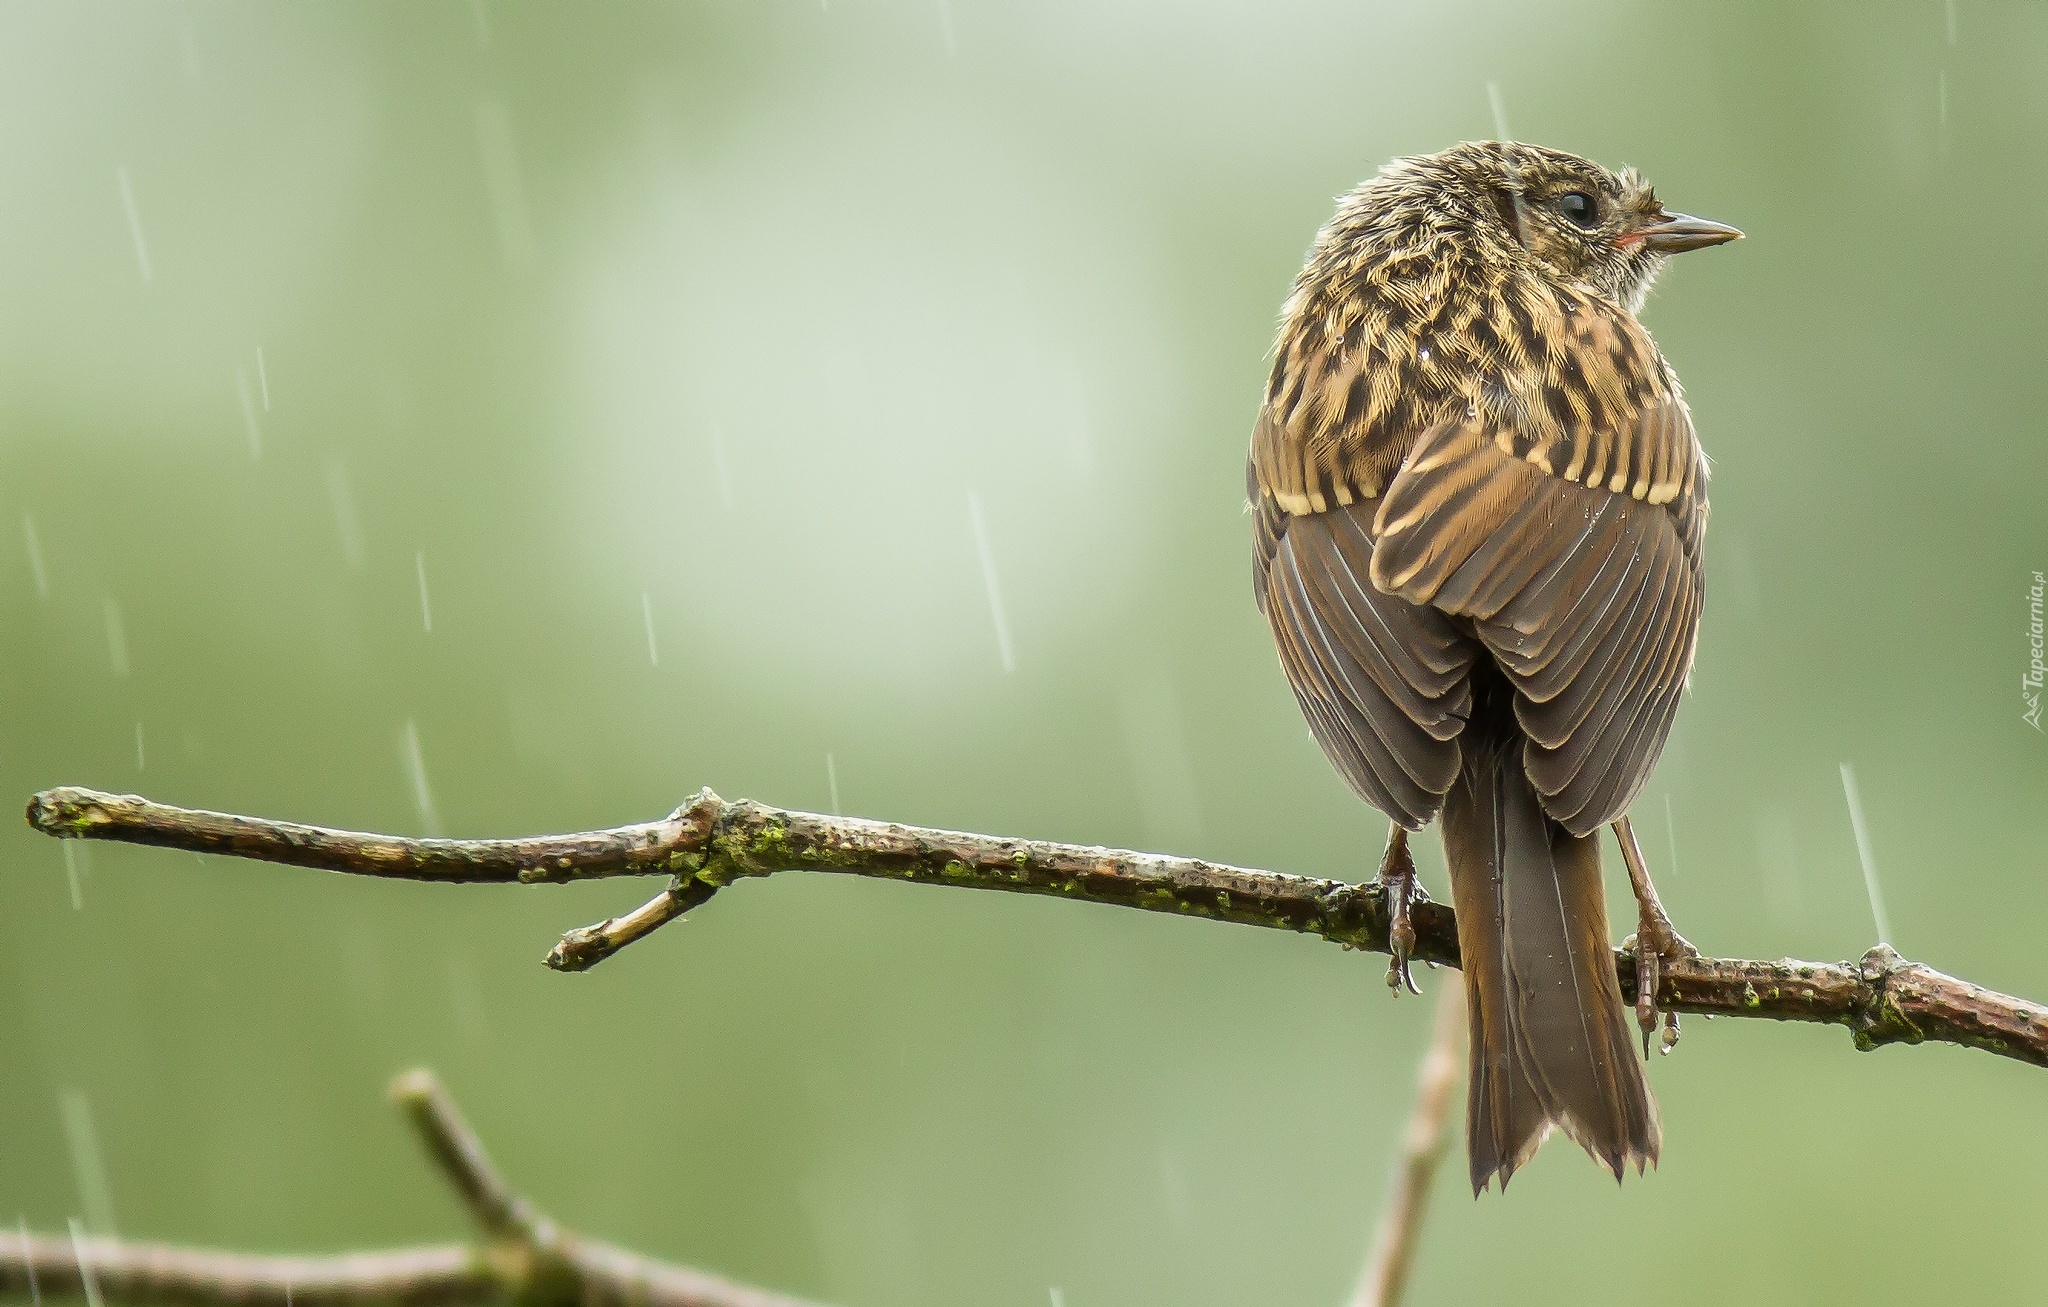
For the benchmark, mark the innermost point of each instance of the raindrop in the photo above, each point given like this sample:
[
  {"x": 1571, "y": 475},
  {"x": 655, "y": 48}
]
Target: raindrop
[
  {"x": 503, "y": 183},
  {"x": 35, "y": 1292},
  {"x": 946, "y": 25},
  {"x": 249, "y": 413},
  {"x": 832, "y": 784},
  {"x": 117, "y": 637},
  {"x": 1053, "y": 1292},
  {"x": 138, "y": 746},
  {"x": 87, "y": 1164},
  {"x": 1877, "y": 912},
  {"x": 419, "y": 567},
  {"x": 416, "y": 769},
  {"x": 71, "y": 875},
  {"x": 35, "y": 557},
  {"x": 1950, "y": 14},
  {"x": 344, "y": 501},
  {"x": 647, "y": 620},
  {"x": 134, "y": 220},
  {"x": 263, "y": 378},
  {"x": 483, "y": 22},
  {"x": 85, "y": 1275},
  {"x": 1500, "y": 112},
  {"x": 1941, "y": 95},
  {"x": 988, "y": 577}
]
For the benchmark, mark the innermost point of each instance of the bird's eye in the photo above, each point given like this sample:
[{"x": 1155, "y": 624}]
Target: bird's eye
[{"x": 1579, "y": 208}]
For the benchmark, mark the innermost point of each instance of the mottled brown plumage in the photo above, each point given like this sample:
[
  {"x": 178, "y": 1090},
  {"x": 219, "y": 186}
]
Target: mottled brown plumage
[{"x": 1480, "y": 509}]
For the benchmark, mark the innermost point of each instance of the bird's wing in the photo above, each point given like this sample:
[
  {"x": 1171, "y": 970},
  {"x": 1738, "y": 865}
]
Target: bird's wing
[
  {"x": 1381, "y": 681},
  {"x": 1564, "y": 518}
]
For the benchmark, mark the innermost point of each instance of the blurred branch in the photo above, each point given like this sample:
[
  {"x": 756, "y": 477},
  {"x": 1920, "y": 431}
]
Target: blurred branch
[
  {"x": 455, "y": 1149},
  {"x": 33, "y": 1265},
  {"x": 525, "y": 1258},
  {"x": 1422, "y": 1151},
  {"x": 710, "y": 842}
]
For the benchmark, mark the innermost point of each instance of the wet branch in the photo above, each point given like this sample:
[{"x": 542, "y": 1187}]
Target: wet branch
[
  {"x": 709, "y": 843},
  {"x": 523, "y": 1257}
]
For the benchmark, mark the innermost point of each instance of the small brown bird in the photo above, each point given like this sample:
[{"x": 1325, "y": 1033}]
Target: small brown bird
[{"x": 1480, "y": 509}]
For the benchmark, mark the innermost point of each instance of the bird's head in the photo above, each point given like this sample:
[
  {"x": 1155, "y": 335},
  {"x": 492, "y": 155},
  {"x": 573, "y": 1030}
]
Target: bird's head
[{"x": 1577, "y": 221}]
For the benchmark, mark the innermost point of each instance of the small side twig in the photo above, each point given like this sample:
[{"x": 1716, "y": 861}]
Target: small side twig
[
  {"x": 1423, "y": 1145},
  {"x": 1881, "y": 998},
  {"x": 525, "y": 1258},
  {"x": 586, "y": 946}
]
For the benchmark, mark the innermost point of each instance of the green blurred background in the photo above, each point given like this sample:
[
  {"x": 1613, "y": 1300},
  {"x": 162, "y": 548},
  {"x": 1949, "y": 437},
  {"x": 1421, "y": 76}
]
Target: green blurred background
[{"x": 676, "y": 353}]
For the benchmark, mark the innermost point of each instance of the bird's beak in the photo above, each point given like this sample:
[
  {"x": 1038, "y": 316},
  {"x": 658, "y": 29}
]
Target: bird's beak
[{"x": 1675, "y": 233}]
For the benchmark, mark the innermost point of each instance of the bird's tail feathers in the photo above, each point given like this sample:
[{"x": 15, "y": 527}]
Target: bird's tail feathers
[{"x": 1550, "y": 1034}]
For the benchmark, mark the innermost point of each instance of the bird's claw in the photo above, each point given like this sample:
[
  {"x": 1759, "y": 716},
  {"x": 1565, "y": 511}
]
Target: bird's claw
[
  {"x": 1403, "y": 891},
  {"x": 1663, "y": 945},
  {"x": 1653, "y": 944}
]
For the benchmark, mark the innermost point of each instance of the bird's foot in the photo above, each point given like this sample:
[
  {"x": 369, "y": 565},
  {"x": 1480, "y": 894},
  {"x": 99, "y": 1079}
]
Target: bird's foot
[
  {"x": 1654, "y": 944},
  {"x": 1403, "y": 891}
]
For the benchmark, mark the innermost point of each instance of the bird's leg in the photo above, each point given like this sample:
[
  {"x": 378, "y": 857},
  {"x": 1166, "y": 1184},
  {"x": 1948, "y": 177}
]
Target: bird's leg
[
  {"x": 1655, "y": 941},
  {"x": 1397, "y": 879}
]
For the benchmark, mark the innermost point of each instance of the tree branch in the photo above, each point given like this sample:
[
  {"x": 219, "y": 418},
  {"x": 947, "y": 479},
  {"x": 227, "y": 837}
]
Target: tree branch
[
  {"x": 525, "y": 1259},
  {"x": 710, "y": 843},
  {"x": 1422, "y": 1151}
]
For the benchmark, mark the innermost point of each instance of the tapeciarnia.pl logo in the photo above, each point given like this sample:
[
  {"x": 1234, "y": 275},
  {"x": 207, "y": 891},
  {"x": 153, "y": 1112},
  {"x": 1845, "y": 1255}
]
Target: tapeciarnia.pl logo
[{"x": 2030, "y": 684}]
